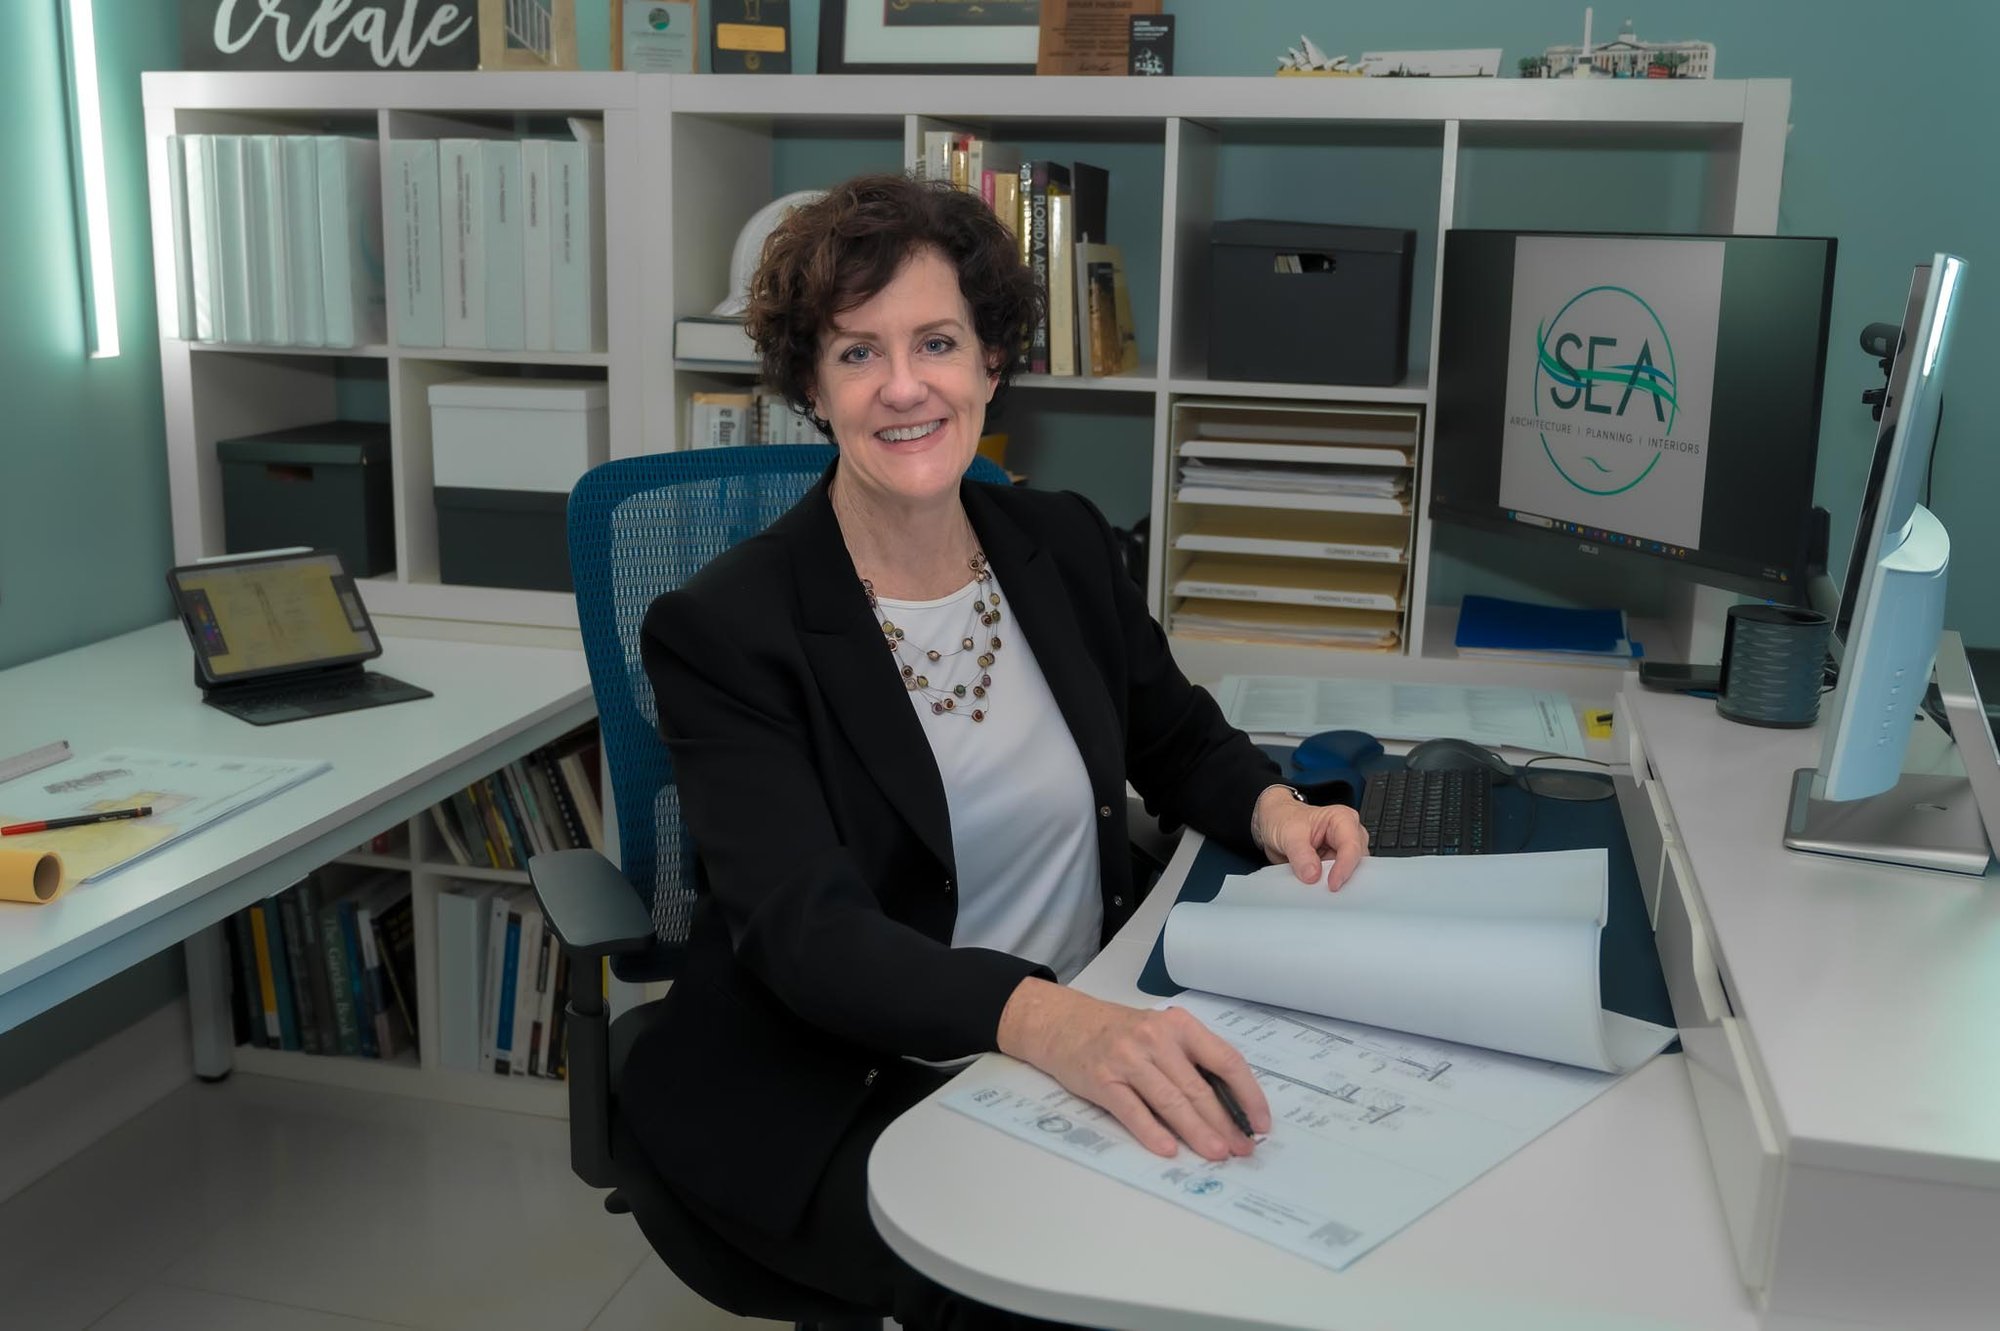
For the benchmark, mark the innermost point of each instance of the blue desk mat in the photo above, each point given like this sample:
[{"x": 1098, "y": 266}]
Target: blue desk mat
[{"x": 1629, "y": 977}]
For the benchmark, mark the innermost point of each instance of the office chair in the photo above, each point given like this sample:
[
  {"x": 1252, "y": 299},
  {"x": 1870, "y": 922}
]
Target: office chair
[{"x": 639, "y": 527}]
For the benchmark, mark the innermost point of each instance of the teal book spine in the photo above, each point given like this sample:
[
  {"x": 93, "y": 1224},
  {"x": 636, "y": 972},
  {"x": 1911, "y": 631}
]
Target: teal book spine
[
  {"x": 364, "y": 1017},
  {"x": 304, "y": 1011},
  {"x": 333, "y": 951}
]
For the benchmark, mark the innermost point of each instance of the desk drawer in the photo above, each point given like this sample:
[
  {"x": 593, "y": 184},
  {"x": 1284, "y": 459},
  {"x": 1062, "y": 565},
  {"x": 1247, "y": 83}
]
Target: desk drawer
[
  {"x": 1742, "y": 1148},
  {"x": 1642, "y": 829}
]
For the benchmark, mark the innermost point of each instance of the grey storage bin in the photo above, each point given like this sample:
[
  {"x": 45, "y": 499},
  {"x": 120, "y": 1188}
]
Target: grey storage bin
[
  {"x": 326, "y": 486},
  {"x": 1343, "y": 317},
  {"x": 503, "y": 538}
]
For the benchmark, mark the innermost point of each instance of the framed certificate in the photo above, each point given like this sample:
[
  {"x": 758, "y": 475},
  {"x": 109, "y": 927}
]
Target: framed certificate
[{"x": 928, "y": 36}]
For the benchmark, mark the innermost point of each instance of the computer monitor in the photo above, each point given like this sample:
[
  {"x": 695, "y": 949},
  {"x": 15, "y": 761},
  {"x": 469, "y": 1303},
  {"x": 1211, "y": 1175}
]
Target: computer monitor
[
  {"x": 1650, "y": 398},
  {"x": 1892, "y": 600},
  {"x": 1859, "y": 802}
]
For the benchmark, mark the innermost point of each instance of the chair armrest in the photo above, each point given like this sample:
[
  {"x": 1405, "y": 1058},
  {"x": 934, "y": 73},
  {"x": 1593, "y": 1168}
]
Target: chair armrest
[{"x": 593, "y": 910}]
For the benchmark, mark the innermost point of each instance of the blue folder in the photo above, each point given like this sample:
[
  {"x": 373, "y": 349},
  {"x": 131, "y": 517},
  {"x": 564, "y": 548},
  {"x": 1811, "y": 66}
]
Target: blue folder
[{"x": 1492, "y": 623}]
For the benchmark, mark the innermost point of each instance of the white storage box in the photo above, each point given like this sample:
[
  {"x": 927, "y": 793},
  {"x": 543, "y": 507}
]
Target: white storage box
[{"x": 517, "y": 434}]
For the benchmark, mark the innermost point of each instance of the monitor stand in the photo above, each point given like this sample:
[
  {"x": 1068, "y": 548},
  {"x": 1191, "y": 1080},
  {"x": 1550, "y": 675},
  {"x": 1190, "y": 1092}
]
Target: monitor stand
[{"x": 1924, "y": 821}]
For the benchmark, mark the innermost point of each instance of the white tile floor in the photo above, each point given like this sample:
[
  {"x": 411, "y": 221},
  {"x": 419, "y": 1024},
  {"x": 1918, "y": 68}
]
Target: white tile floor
[{"x": 262, "y": 1205}]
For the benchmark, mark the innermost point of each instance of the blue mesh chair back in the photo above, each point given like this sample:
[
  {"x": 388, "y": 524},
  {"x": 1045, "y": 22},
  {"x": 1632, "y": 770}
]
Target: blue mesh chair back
[{"x": 639, "y": 527}]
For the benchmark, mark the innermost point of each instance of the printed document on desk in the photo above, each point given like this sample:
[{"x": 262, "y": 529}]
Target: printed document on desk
[
  {"x": 1436, "y": 966},
  {"x": 1540, "y": 720},
  {"x": 1369, "y": 1129},
  {"x": 186, "y": 791}
]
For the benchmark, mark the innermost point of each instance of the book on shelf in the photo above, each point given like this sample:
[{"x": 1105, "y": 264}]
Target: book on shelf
[
  {"x": 281, "y": 975},
  {"x": 1292, "y": 582},
  {"x": 354, "y": 970},
  {"x": 448, "y": 834},
  {"x": 1090, "y": 191},
  {"x": 1062, "y": 308},
  {"x": 177, "y": 207},
  {"x": 394, "y": 917},
  {"x": 304, "y": 292},
  {"x": 719, "y": 420},
  {"x": 714, "y": 337},
  {"x": 414, "y": 243},
  {"x": 502, "y": 982},
  {"x": 304, "y": 996},
  {"x": 1358, "y": 537},
  {"x": 203, "y": 222},
  {"x": 1035, "y": 178},
  {"x": 576, "y": 245},
  {"x": 464, "y": 918},
  {"x": 267, "y": 987},
  {"x": 1107, "y": 336},
  {"x": 462, "y": 240},
  {"x": 340, "y": 989},
  {"x": 505, "y": 269},
  {"x": 537, "y": 309},
  {"x": 519, "y": 1051},
  {"x": 264, "y": 230},
  {"x": 1306, "y": 626},
  {"x": 246, "y": 1005},
  {"x": 231, "y": 244},
  {"x": 352, "y": 271}
]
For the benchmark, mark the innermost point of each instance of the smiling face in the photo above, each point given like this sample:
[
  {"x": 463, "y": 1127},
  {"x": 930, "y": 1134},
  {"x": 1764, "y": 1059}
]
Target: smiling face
[{"x": 904, "y": 382}]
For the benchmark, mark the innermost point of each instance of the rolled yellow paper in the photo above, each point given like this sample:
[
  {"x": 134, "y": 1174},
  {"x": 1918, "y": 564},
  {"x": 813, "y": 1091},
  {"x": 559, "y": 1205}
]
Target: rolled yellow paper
[{"x": 33, "y": 876}]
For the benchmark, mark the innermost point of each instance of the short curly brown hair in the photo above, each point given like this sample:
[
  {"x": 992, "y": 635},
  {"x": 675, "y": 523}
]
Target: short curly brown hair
[{"x": 833, "y": 254}]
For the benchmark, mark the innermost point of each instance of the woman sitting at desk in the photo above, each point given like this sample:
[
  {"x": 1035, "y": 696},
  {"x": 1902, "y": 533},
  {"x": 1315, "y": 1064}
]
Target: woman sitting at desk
[{"x": 902, "y": 719}]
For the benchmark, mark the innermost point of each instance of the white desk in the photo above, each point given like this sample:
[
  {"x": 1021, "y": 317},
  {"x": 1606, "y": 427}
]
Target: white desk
[
  {"x": 1609, "y": 1221},
  {"x": 493, "y": 704}
]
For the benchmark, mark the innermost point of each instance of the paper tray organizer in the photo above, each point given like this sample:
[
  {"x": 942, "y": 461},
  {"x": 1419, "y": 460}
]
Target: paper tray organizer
[{"x": 1291, "y": 522}]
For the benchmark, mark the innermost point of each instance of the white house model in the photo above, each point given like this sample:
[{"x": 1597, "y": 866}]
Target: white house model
[{"x": 1629, "y": 57}]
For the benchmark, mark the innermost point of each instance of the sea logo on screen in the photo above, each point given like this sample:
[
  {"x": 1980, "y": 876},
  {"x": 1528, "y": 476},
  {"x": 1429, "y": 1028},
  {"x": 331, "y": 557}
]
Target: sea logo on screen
[{"x": 1604, "y": 370}]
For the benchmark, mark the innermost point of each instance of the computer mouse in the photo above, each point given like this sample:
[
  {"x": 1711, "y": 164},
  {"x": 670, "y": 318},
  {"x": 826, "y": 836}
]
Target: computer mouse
[
  {"x": 1446, "y": 755},
  {"x": 1336, "y": 748}
]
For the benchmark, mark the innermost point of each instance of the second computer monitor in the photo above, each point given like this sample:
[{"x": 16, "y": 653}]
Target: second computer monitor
[{"x": 1636, "y": 396}]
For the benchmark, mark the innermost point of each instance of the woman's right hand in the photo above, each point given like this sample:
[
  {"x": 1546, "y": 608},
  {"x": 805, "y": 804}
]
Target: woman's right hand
[{"x": 1141, "y": 1064}]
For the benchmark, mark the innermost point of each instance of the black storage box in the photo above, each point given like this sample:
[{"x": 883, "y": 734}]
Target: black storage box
[
  {"x": 1309, "y": 303},
  {"x": 503, "y": 538},
  {"x": 326, "y": 486}
]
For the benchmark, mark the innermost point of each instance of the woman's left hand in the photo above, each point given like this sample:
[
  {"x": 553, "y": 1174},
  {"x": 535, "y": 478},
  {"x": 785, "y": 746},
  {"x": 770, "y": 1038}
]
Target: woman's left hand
[{"x": 1305, "y": 834}]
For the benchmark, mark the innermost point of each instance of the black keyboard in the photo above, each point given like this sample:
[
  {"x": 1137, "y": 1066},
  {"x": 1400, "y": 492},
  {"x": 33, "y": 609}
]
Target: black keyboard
[
  {"x": 318, "y": 697},
  {"x": 1428, "y": 813}
]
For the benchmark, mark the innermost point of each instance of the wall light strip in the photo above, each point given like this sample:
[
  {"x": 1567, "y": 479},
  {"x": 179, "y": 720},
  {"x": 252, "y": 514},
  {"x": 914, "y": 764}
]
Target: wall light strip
[{"x": 87, "y": 156}]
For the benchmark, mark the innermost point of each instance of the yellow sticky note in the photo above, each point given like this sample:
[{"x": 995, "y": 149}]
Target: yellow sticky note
[{"x": 1597, "y": 725}]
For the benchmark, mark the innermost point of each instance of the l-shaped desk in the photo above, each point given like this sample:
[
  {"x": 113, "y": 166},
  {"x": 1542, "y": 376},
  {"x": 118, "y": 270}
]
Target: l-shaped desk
[
  {"x": 1825, "y": 1155},
  {"x": 493, "y": 704}
]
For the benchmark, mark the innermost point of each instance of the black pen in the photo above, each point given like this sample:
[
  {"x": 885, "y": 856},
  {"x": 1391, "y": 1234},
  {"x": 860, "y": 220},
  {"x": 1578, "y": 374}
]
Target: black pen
[{"x": 1229, "y": 1105}]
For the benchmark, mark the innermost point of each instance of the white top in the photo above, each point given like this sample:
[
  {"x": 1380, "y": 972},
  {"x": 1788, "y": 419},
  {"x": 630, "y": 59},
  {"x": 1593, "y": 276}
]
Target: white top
[{"x": 1022, "y": 824}]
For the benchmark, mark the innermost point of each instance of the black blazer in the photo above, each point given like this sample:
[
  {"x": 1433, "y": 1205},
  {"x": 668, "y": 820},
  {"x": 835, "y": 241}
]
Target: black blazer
[{"x": 821, "y": 946}]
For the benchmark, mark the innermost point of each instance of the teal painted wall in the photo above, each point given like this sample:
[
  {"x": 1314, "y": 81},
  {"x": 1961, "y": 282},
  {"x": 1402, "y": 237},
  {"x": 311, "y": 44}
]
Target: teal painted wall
[{"x": 84, "y": 534}]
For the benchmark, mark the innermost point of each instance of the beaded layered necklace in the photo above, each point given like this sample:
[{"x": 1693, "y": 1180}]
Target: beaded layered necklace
[{"x": 931, "y": 677}]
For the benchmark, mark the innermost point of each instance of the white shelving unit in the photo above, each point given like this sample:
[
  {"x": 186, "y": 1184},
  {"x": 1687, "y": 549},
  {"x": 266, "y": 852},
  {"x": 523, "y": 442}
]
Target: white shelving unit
[
  {"x": 422, "y": 855},
  {"x": 688, "y": 159}
]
